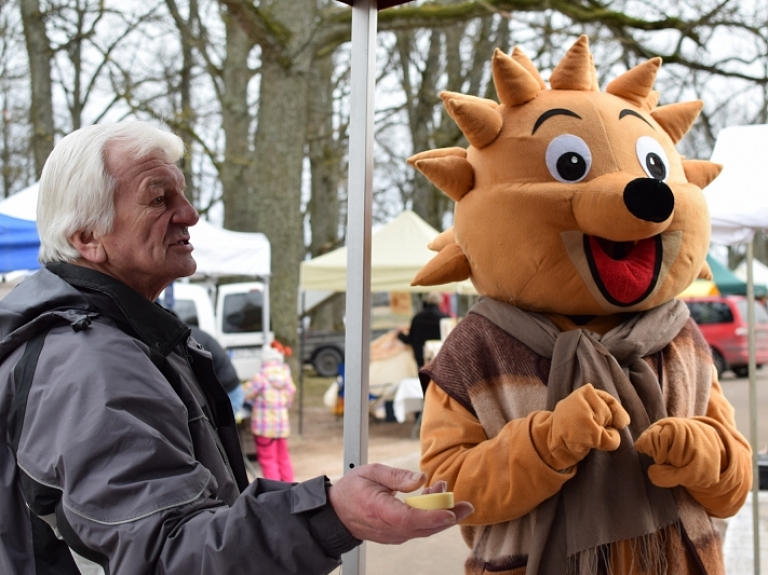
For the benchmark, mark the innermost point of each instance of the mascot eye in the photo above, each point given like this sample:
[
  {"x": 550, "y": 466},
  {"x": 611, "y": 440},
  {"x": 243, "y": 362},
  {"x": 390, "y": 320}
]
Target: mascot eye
[
  {"x": 652, "y": 158},
  {"x": 568, "y": 159}
]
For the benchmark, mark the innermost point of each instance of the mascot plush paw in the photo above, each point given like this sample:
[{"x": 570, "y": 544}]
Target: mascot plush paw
[
  {"x": 576, "y": 405},
  {"x": 586, "y": 419},
  {"x": 685, "y": 452}
]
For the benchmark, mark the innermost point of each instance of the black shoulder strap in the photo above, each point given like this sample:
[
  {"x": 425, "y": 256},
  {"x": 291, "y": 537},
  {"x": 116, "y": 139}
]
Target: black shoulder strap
[
  {"x": 52, "y": 556},
  {"x": 23, "y": 374}
]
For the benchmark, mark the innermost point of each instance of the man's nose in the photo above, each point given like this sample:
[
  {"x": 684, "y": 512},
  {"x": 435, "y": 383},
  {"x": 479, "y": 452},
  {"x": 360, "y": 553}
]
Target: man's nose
[{"x": 186, "y": 214}]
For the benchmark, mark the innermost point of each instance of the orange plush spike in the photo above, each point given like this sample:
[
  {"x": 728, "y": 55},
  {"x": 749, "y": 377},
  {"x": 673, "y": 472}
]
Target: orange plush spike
[
  {"x": 450, "y": 265},
  {"x": 514, "y": 84},
  {"x": 652, "y": 100},
  {"x": 677, "y": 119},
  {"x": 576, "y": 70},
  {"x": 635, "y": 84},
  {"x": 706, "y": 272},
  {"x": 701, "y": 172},
  {"x": 479, "y": 123},
  {"x": 442, "y": 240},
  {"x": 453, "y": 175},
  {"x": 595, "y": 87},
  {"x": 437, "y": 153},
  {"x": 521, "y": 58},
  {"x": 448, "y": 95}
]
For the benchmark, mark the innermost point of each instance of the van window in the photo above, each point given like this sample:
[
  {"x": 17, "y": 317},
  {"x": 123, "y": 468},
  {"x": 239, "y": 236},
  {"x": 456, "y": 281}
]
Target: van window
[
  {"x": 761, "y": 315},
  {"x": 187, "y": 311},
  {"x": 242, "y": 312},
  {"x": 707, "y": 312}
]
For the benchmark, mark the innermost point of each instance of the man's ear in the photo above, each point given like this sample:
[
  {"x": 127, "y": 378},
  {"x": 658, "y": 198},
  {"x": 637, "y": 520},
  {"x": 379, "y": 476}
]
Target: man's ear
[{"x": 89, "y": 246}]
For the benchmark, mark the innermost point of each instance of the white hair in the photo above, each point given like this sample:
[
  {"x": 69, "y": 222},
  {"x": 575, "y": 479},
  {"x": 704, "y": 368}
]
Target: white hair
[
  {"x": 433, "y": 298},
  {"x": 76, "y": 190}
]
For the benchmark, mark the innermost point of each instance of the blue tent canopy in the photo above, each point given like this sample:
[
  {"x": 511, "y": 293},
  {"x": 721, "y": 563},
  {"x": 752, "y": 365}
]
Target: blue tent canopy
[{"x": 19, "y": 244}]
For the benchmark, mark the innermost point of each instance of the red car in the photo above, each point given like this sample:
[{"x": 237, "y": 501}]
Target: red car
[{"x": 723, "y": 321}]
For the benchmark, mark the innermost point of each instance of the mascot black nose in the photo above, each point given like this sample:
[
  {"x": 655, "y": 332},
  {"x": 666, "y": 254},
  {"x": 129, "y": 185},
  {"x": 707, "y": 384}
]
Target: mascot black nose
[{"x": 648, "y": 199}]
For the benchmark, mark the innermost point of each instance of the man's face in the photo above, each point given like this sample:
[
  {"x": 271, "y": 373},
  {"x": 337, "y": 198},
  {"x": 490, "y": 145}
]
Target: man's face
[{"x": 148, "y": 246}]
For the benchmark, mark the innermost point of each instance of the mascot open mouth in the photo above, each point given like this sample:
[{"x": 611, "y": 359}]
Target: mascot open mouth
[
  {"x": 622, "y": 276},
  {"x": 624, "y": 272}
]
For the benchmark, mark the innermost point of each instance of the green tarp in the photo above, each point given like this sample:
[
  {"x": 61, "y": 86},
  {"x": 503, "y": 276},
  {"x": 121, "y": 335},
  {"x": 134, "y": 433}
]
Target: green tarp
[{"x": 728, "y": 284}]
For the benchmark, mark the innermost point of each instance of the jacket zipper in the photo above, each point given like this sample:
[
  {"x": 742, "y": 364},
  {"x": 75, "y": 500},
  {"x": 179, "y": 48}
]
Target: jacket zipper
[{"x": 211, "y": 428}]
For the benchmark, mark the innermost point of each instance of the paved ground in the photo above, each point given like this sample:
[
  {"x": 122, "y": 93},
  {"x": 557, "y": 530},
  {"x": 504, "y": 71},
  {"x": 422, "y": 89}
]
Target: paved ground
[{"x": 319, "y": 450}]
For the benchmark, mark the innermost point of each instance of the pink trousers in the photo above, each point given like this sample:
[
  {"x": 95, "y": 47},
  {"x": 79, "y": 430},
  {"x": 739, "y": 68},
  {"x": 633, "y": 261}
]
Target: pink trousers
[{"x": 274, "y": 459}]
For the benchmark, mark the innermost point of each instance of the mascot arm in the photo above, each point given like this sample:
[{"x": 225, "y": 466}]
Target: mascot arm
[
  {"x": 706, "y": 455},
  {"x": 503, "y": 477}
]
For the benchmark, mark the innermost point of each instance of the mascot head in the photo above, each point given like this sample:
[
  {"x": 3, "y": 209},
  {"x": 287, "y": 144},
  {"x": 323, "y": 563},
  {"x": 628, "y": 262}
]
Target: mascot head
[{"x": 570, "y": 200}]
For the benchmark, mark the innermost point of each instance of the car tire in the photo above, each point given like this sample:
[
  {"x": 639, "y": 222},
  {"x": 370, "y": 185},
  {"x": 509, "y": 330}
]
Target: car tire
[
  {"x": 719, "y": 362},
  {"x": 741, "y": 370},
  {"x": 326, "y": 362}
]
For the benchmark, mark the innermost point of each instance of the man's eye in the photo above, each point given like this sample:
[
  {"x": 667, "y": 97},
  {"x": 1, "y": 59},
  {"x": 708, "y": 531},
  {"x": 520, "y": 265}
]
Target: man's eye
[{"x": 158, "y": 200}]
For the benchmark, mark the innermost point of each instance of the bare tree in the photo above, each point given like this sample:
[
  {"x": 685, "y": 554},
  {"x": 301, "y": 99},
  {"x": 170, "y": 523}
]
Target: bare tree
[
  {"x": 40, "y": 54},
  {"x": 251, "y": 87},
  {"x": 327, "y": 147},
  {"x": 293, "y": 33},
  {"x": 16, "y": 168}
]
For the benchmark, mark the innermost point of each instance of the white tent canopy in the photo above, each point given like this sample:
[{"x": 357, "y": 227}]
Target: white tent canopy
[
  {"x": 218, "y": 252},
  {"x": 738, "y": 198},
  {"x": 398, "y": 251},
  {"x": 759, "y": 272}
]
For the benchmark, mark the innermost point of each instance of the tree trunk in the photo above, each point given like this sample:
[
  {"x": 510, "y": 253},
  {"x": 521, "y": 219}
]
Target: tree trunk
[
  {"x": 326, "y": 159},
  {"x": 41, "y": 109},
  {"x": 236, "y": 122},
  {"x": 187, "y": 119},
  {"x": 427, "y": 199},
  {"x": 274, "y": 204}
]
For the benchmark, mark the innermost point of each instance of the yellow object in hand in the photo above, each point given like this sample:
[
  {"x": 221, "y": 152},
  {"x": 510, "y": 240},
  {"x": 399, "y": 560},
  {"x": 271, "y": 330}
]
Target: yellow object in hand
[{"x": 431, "y": 501}]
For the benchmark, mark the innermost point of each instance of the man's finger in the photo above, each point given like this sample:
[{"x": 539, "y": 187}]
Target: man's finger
[
  {"x": 438, "y": 487},
  {"x": 394, "y": 478}
]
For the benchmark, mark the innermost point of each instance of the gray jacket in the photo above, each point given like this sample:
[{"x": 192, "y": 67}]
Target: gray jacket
[{"x": 124, "y": 444}]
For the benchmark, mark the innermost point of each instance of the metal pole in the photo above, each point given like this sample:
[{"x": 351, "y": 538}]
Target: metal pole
[
  {"x": 753, "y": 406},
  {"x": 302, "y": 344},
  {"x": 359, "y": 206},
  {"x": 266, "y": 314}
]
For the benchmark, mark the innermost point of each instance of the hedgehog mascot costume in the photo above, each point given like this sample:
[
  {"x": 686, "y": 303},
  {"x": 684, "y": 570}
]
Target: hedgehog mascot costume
[{"x": 577, "y": 406}]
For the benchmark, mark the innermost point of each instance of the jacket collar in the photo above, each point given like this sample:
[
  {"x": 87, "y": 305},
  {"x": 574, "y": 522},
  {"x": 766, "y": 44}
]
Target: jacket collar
[{"x": 150, "y": 322}]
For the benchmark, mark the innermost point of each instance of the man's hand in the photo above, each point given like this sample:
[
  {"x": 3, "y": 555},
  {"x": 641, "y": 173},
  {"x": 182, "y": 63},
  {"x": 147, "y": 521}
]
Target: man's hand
[
  {"x": 364, "y": 499},
  {"x": 586, "y": 419},
  {"x": 685, "y": 452}
]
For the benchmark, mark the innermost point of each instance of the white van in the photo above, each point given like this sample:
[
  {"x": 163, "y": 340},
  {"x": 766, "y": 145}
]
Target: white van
[
  {"x": 193, "y": 304},
  {"x": 242, "y": 313},
  {"x": 237, "y": 322}
]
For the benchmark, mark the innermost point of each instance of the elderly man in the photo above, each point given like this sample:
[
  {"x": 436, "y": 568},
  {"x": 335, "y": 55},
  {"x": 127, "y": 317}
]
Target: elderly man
[{"x": 120, "y": 452}]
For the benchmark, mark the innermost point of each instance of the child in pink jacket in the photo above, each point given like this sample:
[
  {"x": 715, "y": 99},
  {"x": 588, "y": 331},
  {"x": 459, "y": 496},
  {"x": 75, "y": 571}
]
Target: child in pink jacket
[{"x": 271, "y": 391}]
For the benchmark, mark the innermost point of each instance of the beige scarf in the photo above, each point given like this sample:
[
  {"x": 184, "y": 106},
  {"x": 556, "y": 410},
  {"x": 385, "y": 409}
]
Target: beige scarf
[{"x": 610, "y": 498}]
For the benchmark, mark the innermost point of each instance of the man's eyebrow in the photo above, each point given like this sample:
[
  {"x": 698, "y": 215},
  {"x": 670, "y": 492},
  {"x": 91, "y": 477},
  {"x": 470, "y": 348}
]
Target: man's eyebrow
[
  {"x": 633, "y": 113},
  {"x": 553, "y": 112},
  {"x": 158, "y": 181}
]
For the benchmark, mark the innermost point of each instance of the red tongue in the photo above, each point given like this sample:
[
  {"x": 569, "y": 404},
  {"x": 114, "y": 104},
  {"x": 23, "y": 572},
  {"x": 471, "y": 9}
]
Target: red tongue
[{"x": 629, "y": 279}]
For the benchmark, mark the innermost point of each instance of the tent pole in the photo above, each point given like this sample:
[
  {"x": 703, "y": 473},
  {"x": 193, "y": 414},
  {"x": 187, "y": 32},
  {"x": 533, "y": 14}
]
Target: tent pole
[
  {"x": 359, "y": 210},
  {"x": 753, "y": 405}
]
